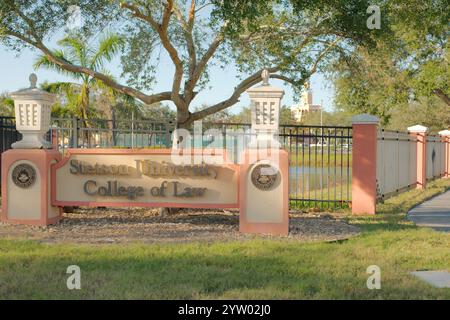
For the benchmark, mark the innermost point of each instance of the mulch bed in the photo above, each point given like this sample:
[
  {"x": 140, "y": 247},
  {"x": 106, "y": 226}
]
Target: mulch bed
[{"x": 88, "y": 225}]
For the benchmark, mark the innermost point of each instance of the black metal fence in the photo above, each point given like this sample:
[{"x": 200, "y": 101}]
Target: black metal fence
[
  {"x": 99, "y": 133},
  {"x": 320, "y": 156},
  {"x": 320, "y": 165},
  {"x": 8, "y": 133}
]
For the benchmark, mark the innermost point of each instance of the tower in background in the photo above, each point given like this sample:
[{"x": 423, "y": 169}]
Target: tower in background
[{"x": 306, "y": 104}]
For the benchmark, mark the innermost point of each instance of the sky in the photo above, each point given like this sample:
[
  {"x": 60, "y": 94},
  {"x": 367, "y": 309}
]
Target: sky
[{"x": 16, "y": 68}]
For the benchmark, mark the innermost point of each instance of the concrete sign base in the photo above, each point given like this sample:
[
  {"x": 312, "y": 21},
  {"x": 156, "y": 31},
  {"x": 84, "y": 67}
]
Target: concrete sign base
[{"x": 37, "y": 183}]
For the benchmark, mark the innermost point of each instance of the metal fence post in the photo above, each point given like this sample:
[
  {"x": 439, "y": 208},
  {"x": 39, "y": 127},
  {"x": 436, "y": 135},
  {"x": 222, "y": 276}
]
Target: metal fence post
[
  {"x": 167, "y": 129},
  {"x": 114, "y": 126},
  {"x": 132, "y": 129},
  {"x": 2, "y": 140},
  {"x": 74, "y": 132}
]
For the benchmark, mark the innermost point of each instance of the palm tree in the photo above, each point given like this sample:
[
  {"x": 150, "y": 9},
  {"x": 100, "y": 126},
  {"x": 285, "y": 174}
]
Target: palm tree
[{"x": 76, "y": 51}]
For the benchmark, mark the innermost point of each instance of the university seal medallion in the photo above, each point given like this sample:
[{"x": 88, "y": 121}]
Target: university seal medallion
[{"x": 24, "y": 175}]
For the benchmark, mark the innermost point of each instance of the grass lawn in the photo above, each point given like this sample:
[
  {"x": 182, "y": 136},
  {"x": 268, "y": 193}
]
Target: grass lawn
[
  {"x": 254, "y": 269},
  {"x": 315, "y": 158}
]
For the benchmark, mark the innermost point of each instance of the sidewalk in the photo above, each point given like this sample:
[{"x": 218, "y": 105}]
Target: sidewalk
[{"x": 434, "y": 213}]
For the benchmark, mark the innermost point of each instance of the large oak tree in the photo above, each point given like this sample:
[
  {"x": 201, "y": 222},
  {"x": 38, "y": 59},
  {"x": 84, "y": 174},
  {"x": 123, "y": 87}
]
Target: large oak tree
[{"x": 292, "y": 39}]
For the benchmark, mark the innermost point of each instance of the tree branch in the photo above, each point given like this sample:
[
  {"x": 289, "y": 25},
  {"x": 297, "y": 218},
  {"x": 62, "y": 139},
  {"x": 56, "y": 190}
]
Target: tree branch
[
  {"x": 441, "y": 94},
  {"x": 168, "y": 6},
  {"x": 135, "y": 11},
  {"x": 234, "y": 98},
  {"x": 200, "y": 68},
  {"x": 293, "y": 82},
  {"x": 254, "y": 79},
  {"x": 191, "y": 15},
  {"x": 21, "y": 37},
  {"x": 148, "y": 99},
  {"x": 187, "y": 32},
  {"x": 161, "y": 29},
  {"x": 203, "y": 6}
]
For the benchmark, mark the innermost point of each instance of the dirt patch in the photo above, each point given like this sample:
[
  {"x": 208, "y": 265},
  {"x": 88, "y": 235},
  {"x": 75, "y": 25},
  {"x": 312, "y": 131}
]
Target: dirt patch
[{"x": 146, "y": 225}]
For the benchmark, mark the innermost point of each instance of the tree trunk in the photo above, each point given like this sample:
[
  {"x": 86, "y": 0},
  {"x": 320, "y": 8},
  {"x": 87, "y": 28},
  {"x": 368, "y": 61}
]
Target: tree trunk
[
  {"x": 183, "y": 122},
  {"x": 183, "y": 119},
  {"x": 441, "y": 94}
]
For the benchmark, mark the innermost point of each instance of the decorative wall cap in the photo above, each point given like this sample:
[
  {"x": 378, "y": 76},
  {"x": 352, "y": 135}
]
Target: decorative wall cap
[
  {"x": 265, "y": 90},
  {"x": 418, "y": 129},
  {"x": 445, "y": 133},
  {"x": 364, "y": 118},
  {"x": 33, "y": 93},
  {"x": 256, "y": 94}
]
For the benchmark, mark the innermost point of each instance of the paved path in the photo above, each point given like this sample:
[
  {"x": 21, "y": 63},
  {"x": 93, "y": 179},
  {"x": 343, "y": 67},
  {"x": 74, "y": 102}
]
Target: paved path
[{"x": 434, "y": 213}]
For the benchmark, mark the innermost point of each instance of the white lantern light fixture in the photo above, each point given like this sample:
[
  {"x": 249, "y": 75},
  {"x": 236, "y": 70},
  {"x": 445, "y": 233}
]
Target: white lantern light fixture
[{"x": 33, "y": 111}]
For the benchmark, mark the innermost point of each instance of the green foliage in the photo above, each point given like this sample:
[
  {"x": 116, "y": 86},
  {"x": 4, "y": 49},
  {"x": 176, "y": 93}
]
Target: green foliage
[
  {"x": 347, "y": 18},
  {"x": 243, "y": 116},
  {"x": 365, "y": 84},
  {"x": 6, "y": 105},
  {"x": 405, "y": 74},
  {"x": 49, "y": 17},
  {"x": 430, "y": 112},
  {"x": 286, "y": 116}
]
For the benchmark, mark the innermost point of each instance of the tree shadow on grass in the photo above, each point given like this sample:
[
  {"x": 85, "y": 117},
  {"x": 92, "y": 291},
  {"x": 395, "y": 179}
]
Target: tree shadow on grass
[{"x": 382, "y": 222}]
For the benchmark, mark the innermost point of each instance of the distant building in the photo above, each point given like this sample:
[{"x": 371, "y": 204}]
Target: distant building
[{"x": 306, "y": 105}]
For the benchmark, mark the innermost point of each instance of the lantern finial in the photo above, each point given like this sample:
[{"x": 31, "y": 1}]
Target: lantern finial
[
  {"x": 265, "y": 77},
  {"x": 33, "y": 80}
]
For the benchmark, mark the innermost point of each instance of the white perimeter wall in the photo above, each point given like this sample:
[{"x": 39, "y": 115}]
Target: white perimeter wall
[
  {"x": 396, "y": 162},
  {"x": 435, "y": 157}
]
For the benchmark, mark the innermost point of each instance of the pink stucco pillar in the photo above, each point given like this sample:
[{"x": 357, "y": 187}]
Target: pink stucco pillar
[
  {"x": 28, "y": 202},
  {"x": 446, "y": 135},
  {"x": 420, "y": 133},
  {"x": 364, "y": 164}
]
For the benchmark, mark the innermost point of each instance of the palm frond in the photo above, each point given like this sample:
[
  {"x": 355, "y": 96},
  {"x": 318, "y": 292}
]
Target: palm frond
[
  {"x": 60, "y": 87},
  {"x": 44, "y": 62},
  {"x": 108, "y": 47},
  {"x": 76, "y": 49}
]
